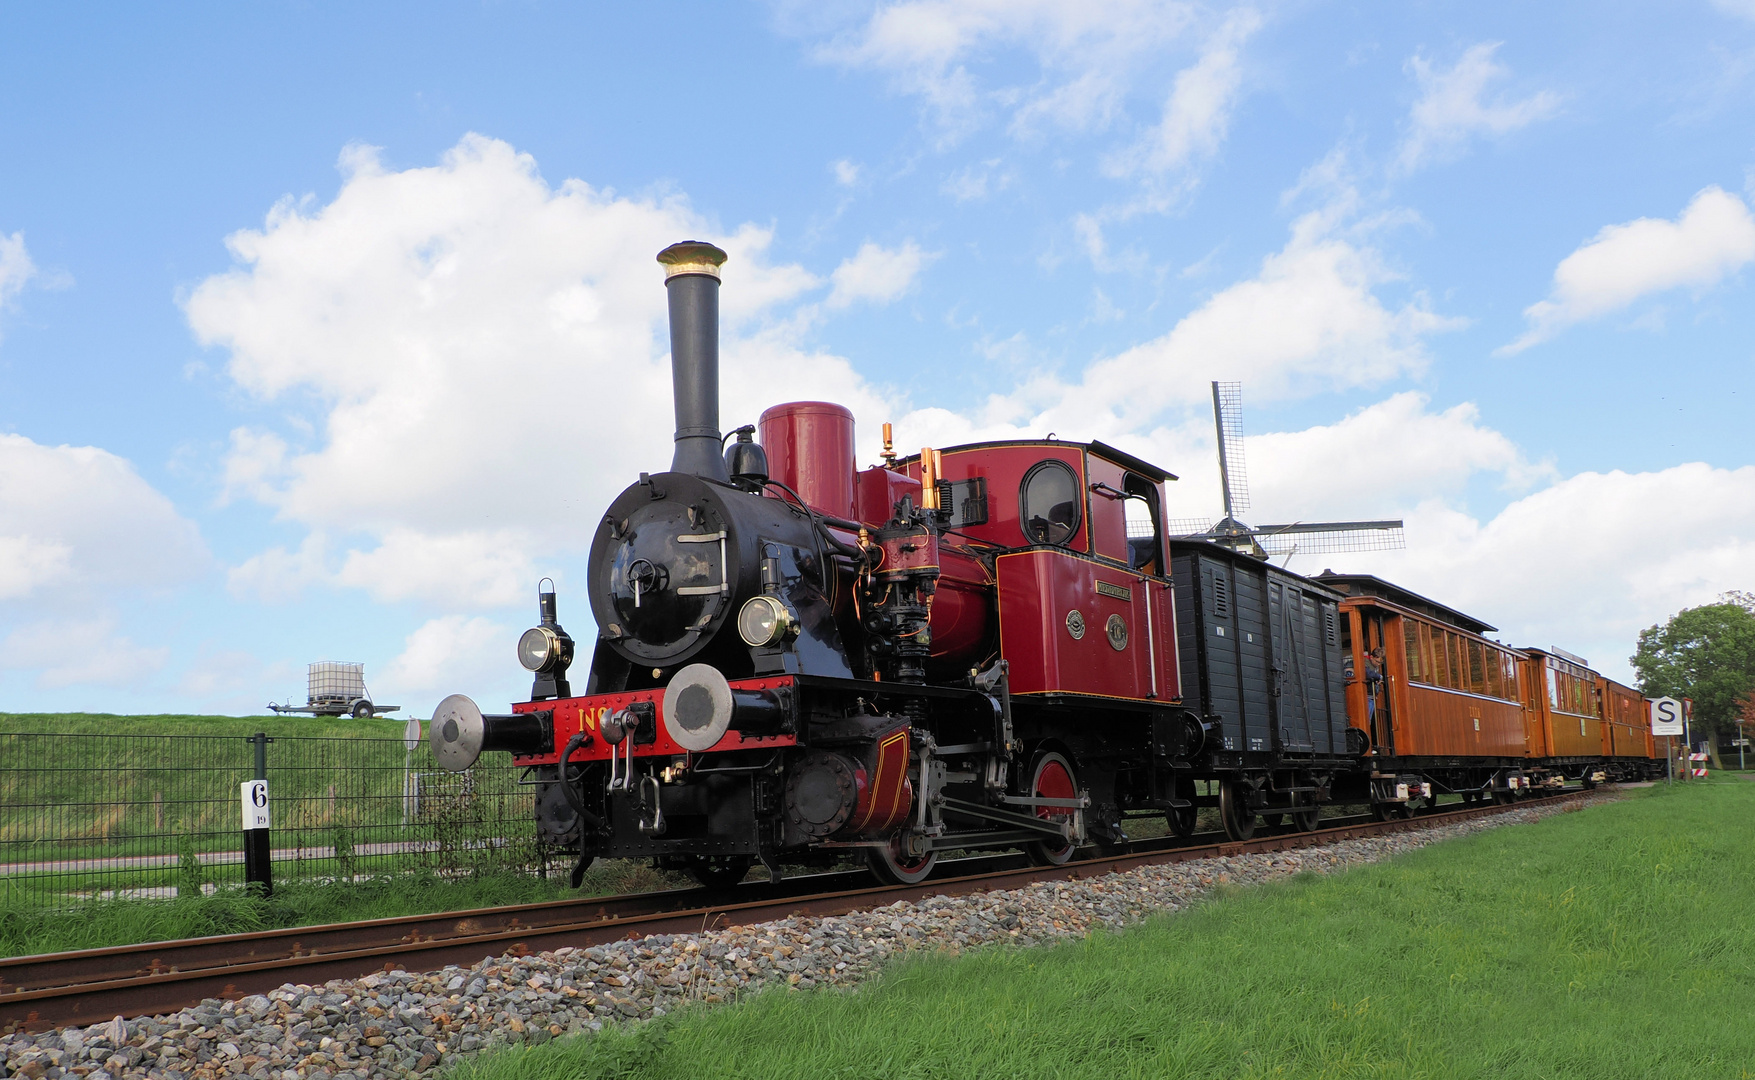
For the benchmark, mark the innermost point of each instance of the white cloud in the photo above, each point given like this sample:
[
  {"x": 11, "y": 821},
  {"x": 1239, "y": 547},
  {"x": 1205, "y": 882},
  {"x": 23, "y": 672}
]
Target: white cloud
[
  {"x": 877, "y": 274},
  {"x": 16, "y": 267},
  {"x": 79, "y": 652},
  {"x": 1713, "y": 237},
  {"x": 277, "y": 574},
  {"x": 1310, "y": 319},
  {"x": 444, "y": 653},
  {"x": 1742, "y": 8},
  {"x": 1585, "y": 563},
  {"x": 1198, "y": 110},
  {"x": 974, "y": 182},
  {"x": 1451, "y": 108},
  {"x": 846, "y": 172},
  {"x": 1381, "y": 458},
  {"x": 482, "y": 349},
  {"x": 475, "y": 569},
  {"x": 73, "y": 517},
  {"x": 1086, "y": 55}
]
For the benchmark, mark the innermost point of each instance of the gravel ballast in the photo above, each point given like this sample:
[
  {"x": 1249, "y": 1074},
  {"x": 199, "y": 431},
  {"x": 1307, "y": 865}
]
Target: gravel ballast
[{"x": 405, "y": 1024}]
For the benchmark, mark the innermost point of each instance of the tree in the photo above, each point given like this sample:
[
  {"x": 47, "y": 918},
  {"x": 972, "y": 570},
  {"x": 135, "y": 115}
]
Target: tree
[{"x": 1706, "y": 653}]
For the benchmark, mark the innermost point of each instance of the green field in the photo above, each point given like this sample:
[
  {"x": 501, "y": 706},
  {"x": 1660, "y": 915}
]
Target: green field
[
  {"x": 1618, "y": 941},
  {"x": 183, "y": 724},
  {"x": 95, "y": 806},
  {"x": 26, "y": 931},
  {"x": 121, "y": 818}
]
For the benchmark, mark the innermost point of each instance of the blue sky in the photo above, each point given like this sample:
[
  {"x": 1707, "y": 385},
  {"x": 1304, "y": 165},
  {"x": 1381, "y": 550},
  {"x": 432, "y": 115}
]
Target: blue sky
[{"x": 325, "y": 330}]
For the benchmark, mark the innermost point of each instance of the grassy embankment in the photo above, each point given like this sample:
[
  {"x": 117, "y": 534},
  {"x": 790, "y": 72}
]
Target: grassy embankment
[
  {"x": 1613, "y": 942},
  {"x": 100, "y": 789}
]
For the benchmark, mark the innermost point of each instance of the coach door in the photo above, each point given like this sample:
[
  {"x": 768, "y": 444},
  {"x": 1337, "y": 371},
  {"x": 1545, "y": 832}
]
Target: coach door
[
  {"x": 1294, "y": 683},
  {"x": 1377, "y": 695}
]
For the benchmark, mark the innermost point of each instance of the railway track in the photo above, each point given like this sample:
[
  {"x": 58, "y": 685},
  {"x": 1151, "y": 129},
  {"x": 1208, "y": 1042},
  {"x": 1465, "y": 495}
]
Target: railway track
[{"x": 85, "y": 987}]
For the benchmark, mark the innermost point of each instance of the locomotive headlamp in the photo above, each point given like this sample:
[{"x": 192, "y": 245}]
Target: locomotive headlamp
[
  {"x": 764, "y": 621},
  {"x": 539, "y": 648}
]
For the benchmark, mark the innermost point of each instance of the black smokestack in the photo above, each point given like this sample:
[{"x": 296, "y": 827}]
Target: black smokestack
[{"x": 691, "y": 275}]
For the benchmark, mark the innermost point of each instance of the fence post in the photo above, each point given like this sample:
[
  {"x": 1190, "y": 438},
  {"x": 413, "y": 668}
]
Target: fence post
[{"x": 258, "y": 868}]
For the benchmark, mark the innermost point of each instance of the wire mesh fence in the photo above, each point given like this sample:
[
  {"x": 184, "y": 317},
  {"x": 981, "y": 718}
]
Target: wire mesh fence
[{"x": 87, "y": 817}]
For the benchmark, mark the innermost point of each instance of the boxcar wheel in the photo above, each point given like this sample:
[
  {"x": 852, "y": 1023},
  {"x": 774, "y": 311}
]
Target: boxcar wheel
[
  {"x": 1503, "y": 796},
  {"x": 718, "y": 871},
  {"x": 1234, "y": 811},
  {"x": 1052, "y": 778},
  {"x": 1306, "y": 820},
  {"x": 1271, "y": 820},
  {"x": 1182, "y": 818},
  {"x": 890, "y": 866}
]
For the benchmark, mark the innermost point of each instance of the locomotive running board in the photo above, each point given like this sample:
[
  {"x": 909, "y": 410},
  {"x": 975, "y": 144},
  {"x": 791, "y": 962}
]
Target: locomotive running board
[{"x": 1062, "y": 830}]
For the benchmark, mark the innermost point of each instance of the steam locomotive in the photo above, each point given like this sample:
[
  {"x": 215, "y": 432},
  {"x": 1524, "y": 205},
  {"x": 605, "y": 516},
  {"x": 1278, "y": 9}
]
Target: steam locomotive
[{"x": 989, "y": 645}]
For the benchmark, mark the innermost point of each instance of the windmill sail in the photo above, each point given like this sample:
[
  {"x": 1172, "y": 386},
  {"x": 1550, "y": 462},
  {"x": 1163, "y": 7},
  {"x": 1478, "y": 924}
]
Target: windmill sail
[
  {"x": 1267, "y": 541},
  {"x": 1228, "y": 417}
]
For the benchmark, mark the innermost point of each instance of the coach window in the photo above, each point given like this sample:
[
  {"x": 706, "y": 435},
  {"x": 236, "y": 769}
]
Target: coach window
[
  {"x": 1048, "y": 503},
  {"x": 1477, "y": 668},
  {"x": 1411, "y": 646}
]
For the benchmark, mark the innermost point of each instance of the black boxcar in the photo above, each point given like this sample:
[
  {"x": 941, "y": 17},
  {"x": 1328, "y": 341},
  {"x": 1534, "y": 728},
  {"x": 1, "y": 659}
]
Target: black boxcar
[{"x": 1261, "y": 647}]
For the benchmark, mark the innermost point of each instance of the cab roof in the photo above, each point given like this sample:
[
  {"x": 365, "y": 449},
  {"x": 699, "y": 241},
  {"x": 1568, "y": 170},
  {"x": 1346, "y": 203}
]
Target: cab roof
[{"x": 1101, "y": 449}]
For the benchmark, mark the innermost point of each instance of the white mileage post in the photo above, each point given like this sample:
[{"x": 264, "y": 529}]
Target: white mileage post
[
  {"x": 258, "y": 870},
  {"x": 254, "y": 796}
]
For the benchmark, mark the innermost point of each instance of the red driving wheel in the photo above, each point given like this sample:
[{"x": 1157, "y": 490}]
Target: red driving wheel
[{"x": 1052, "y": 778}]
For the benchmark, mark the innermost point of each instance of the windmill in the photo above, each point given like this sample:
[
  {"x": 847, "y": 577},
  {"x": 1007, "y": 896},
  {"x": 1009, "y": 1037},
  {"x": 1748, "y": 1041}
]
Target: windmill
[{"x": 1267, "y": 541}]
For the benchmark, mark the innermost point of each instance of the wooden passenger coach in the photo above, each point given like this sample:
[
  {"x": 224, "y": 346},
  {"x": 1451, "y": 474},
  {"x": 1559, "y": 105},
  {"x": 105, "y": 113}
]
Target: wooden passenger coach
[
  {"x": 1448, "y": 709},
  {"x": 1566, "y": 702}
]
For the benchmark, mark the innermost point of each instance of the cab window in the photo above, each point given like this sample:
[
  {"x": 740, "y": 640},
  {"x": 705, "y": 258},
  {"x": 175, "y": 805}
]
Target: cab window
[{"x": 1048, "y": 503}]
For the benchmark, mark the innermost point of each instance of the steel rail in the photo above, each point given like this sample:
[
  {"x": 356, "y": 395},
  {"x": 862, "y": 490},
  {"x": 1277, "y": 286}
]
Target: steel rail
[{"x": 92, "y": 985}]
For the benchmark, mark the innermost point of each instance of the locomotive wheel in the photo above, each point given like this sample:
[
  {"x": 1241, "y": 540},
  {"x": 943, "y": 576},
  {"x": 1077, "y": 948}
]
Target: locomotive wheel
[
  {"x": 1052, "y": 778},
  {"x": 1235, "y": 813},
  {"x": 1182, "y": 819},
  {"x": 718, "y": 871},
  {"x": 890, "y": 866}
]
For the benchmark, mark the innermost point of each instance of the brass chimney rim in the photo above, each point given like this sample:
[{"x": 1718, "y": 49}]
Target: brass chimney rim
[{"x": 692, "y": 257}]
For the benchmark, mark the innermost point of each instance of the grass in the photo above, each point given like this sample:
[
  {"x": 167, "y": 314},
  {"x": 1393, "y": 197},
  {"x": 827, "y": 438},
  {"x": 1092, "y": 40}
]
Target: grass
[
  {"x": 93, "y": 804},
  {"x": 1613, "y": 942},
  {"x": 26, "y": 931},
  {"x": 389, "y": 727}
]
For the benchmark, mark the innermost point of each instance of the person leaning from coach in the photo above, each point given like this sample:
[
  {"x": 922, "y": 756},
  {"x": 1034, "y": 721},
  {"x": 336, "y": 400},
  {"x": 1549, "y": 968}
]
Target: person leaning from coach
[{"x": 1373, "y": 679}]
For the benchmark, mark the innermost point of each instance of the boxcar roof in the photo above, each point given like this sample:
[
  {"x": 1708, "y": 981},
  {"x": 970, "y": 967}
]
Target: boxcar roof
[
  {"x": 1367, "y": 585},
  {"x": 1198, "y": 545}
]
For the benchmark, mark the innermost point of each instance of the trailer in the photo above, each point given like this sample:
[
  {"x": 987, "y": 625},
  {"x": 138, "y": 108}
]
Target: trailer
[{"x": 336, "y": 688}]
